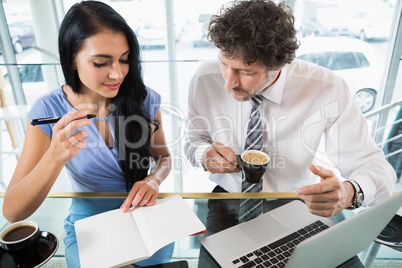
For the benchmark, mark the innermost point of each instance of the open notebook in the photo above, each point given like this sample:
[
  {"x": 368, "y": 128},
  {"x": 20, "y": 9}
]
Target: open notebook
[
  {"x": 114, "y": 238},
  {"x": 290, "y": 235}
]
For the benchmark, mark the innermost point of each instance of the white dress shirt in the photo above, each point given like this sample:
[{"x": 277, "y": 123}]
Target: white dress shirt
[{"x": 305, "y": 104}]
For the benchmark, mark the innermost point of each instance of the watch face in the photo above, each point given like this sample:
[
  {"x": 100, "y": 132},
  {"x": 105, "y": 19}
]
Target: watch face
[{"x": 359, "y": 200}]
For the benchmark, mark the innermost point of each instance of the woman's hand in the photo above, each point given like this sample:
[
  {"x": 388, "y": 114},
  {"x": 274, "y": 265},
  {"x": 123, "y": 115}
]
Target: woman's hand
[
  {"x": 143, "y": 193},
  {"x": 40, "y": 163},
  {"x": 66, "y": 144}
]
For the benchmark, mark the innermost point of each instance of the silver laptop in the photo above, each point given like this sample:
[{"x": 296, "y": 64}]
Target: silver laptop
[{"x": 290, "y": 235}]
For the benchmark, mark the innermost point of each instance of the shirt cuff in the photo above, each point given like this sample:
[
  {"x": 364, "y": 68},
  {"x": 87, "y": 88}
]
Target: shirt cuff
[{"x": 367, "y": 186}]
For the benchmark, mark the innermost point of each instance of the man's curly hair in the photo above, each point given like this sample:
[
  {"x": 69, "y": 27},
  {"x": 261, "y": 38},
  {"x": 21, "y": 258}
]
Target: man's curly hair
[{"x": 255, "y": 30}]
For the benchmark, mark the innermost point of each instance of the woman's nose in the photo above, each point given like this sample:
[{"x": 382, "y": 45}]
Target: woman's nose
[{"x": 116, "y": 72}]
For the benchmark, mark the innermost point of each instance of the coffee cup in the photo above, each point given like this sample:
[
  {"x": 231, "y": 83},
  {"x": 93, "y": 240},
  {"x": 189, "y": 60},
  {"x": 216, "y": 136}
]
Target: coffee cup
[
  {"x": 19, "y": 235},
  {"x": 253, "y": 164}
]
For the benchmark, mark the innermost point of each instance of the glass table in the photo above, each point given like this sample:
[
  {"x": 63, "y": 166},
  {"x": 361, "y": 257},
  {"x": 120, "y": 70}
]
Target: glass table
[{"x": 217, "y": 211}]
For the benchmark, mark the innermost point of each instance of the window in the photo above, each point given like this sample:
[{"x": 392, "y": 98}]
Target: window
[
  {"x": 343, "y": 60},
  {"x": 337, "y": 60},
  {"x": 28, "y": 74},
  {"x": 363, "y": 60},
  {"x": 328, "y": 19}
]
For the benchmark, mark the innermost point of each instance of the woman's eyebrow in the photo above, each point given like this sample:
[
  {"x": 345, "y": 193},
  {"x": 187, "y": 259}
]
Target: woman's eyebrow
[
  {"x": 108, "y": 56},
  {"x": 102, "y": 56}
]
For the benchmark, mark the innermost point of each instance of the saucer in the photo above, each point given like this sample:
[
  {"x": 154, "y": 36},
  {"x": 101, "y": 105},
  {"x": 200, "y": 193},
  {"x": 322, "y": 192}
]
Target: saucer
[
  {"x": 391, "y": 235},
  {"x": 46, "y": 247}
]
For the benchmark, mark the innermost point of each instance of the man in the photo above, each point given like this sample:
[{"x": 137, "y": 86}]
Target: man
[{"x": 300, "y": 104}]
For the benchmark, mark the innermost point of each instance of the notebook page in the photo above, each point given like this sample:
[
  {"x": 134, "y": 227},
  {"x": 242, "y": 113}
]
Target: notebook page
[
  {"x": 168, "y": 220},
  {"x": 109, "y": 239}
]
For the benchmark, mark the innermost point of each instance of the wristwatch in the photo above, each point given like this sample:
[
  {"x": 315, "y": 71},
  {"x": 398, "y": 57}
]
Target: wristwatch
[{"x": 358, "y": 197}]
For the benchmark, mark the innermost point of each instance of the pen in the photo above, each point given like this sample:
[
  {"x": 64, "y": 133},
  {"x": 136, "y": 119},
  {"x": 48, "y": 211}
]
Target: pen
[{"x": 50, "y": 120}]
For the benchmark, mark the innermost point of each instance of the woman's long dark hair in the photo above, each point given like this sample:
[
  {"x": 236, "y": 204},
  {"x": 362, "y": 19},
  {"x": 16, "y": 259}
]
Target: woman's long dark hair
[{"x": 82, "y": 21}]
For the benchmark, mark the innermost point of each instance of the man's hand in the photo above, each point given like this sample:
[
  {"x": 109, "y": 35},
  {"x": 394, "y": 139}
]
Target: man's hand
[
  {"x": 219, "y": 159},
  {"x": 328, "y": 197}
]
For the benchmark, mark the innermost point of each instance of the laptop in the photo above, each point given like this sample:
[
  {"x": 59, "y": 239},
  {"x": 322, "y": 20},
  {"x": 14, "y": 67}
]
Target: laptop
[{"x": 290, "y": 235}]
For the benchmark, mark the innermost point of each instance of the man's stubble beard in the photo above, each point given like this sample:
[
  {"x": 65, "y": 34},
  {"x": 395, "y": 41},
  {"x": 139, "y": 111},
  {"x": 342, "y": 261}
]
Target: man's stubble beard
[{"x": 264, "y": 85}]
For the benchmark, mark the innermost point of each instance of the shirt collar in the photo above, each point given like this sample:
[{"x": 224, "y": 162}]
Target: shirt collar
[{"x": 274, "y": 92}]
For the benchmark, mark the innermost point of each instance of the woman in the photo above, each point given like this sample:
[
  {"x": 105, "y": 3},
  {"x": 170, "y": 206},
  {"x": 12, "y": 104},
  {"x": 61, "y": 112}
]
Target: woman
[{"x": 99, "y": 55}]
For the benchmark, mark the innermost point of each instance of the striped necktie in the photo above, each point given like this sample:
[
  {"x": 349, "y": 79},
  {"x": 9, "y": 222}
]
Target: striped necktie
[{"x": 251, "y": 208}]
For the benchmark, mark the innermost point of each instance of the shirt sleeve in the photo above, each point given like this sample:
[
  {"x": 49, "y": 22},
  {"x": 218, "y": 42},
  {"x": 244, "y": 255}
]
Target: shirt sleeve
[
  {"x": 197, "y": 137},
  {"x": 357, "y": 156}
]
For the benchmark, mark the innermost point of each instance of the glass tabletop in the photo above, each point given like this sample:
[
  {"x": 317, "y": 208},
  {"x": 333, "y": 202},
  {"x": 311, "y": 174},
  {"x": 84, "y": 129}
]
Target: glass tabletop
[{"x": 217, "y": 211}]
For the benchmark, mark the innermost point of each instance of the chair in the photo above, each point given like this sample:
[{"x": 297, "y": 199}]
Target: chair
[
  {"x": 14, "y": 117},
  {"x": 390, "y": 236}
]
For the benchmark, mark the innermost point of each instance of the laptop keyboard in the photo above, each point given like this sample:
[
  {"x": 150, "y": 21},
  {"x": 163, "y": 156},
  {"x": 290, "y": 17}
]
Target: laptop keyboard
[{"x": 276, "y": 254}]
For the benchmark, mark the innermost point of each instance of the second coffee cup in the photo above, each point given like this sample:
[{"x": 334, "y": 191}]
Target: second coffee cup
[
  {"x": 19, "y": 235},
  {"x": 253, "y": 164}
]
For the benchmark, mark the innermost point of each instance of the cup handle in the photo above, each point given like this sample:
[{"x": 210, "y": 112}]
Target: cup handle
[{"x": 239, "y": 161}]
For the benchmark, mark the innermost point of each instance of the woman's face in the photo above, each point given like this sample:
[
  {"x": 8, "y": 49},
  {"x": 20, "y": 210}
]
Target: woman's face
[{"x": 102, "y": 64}]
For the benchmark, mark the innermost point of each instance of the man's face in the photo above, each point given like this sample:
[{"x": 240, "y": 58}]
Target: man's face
[{"x": 245, "y": 81}]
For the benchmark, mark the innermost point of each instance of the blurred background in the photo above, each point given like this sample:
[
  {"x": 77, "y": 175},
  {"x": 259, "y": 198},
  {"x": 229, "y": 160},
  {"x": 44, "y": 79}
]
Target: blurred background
[
  {"x": 356, "y": 39},
  {"x": 360, "y": 40}
]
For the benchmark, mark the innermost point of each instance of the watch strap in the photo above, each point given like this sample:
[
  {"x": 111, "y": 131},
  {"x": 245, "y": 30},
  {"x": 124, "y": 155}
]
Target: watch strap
[
  {"x": 358, "y": 194},
  {"x": 356, "y": 186}
]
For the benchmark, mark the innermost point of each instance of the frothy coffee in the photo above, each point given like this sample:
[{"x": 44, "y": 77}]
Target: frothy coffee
[{"x": 255, "y": 158}]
